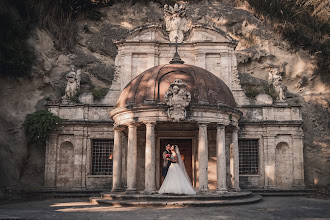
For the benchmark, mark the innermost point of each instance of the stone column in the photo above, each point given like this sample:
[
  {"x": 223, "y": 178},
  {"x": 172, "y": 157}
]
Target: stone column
[
  {"x": 131, "y": 159},
  {"x": 150, "y": 166},
  {"x": 203, "y": 158},
  {"x": 116, "y": 162},
  {"x": 221, "y": 159},
  {"x": 234, "y": 161}
]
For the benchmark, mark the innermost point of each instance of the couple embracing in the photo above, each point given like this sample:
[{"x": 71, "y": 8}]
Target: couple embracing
[{"x": 176, "y": 179}]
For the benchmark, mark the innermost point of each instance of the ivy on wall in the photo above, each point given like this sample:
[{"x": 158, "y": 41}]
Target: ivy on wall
[{"x": 38, "y": 126}]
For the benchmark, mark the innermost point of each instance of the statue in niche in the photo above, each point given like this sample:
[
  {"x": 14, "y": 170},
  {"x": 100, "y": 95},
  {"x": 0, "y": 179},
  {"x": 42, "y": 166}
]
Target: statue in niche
[
  {"x": 176, "y": 22},
  {"x": 73, "y": 82},
  {"x": 275, "y": 79},
  {"x": 177, "y": 99}
]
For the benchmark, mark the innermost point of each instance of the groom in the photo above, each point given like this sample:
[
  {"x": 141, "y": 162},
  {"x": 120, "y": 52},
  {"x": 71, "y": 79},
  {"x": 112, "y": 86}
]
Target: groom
[{"x": 166, "y": 163}]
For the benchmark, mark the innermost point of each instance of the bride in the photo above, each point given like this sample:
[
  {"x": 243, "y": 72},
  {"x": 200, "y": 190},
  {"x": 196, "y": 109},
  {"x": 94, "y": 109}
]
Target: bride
[{"x": 177, "y": 180}]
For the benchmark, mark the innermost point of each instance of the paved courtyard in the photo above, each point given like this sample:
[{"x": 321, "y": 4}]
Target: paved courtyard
[{"x": 80, "y": 208}]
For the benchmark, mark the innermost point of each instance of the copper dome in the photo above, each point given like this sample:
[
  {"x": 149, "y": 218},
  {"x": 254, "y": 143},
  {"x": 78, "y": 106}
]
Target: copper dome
[{"x": 151, "y": 85}]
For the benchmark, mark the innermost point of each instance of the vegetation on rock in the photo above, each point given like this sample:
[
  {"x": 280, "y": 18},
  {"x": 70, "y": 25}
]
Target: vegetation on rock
[
  {"x": 98, "y": 94},
  {"x": 38, "y": 125},
  {"x": 304, "y": 23}
]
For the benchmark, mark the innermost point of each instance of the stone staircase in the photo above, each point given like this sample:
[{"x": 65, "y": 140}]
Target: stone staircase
[{"x": 171, "y": 200}]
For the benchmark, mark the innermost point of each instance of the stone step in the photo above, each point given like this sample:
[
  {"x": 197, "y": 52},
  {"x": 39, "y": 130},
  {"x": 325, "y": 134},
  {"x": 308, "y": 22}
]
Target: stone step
[
  {"x": 161, "y": 197},
  {"x": 175, "y": 203},
  {"x": 288, "y": 192}
]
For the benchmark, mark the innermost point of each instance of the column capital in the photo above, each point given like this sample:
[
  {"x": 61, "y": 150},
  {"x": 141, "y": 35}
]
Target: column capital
[
  {"x": 132, "y": 125},
  {"x": 150, "y": 123},
  {"x": 236, "y": 129},
  {"x": 221, "y": 126},
  {"x": 118, "y": 127},
  {"x": 202, "y": 124}
]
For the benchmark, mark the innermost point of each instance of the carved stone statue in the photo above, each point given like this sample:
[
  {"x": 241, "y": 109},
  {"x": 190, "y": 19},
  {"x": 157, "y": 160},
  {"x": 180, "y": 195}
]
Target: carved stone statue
[
  {"x": 177, "y": 99},
  {"x": 275, "y": 79},
  {"x": 73, "y": 82},
  {"x": 176, "y": 22}
]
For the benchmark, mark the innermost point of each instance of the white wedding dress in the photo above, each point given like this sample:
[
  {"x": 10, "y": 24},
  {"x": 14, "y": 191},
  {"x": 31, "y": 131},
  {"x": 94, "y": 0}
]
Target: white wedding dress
[{"x": 177, "y": 180}]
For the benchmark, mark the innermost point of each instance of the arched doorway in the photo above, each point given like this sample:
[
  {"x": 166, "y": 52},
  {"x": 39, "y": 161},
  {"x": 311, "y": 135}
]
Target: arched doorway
[
  {"x": 65, "y": 166},
  {"x": 185, "y": 146},
  {"x": 284, "y": 166}
]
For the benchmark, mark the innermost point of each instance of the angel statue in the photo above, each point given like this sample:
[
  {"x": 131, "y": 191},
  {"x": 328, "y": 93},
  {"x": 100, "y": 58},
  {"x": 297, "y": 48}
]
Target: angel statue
[{"x": 73, "y": 82}]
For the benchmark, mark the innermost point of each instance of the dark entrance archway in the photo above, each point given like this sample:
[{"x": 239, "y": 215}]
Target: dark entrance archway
[{"x": 185, "y": 146}]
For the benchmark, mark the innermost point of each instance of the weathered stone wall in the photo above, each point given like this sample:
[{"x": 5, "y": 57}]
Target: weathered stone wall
[{"x": 259, "y": 50}]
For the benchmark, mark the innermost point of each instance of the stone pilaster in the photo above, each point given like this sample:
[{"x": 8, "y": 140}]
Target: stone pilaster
[
  {"x": 298, "y": 162},
  {"x": 234, "y": 161},
  {"x": 203, "y": 158},
  {"x": 221, "y": 159},
  {"x": 150, "y": 166},
  {"x": 50, "y": 162},
  {"x": 117, "y": 160},
  {"x": 131, "y": 159}
]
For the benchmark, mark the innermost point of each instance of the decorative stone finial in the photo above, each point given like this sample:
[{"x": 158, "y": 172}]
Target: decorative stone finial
[
  {"x": 177, "y": 99},
  {"x": 176, "y": 58},
  {"x": 176, "y": 22}
]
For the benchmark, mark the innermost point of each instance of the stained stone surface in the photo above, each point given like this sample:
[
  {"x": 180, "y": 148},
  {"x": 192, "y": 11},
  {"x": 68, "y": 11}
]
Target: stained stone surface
[{"x": 77, "y": 208}]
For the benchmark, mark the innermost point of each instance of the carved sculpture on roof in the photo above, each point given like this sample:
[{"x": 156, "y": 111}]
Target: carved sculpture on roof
[
  {"x": 176, "y": 21},
  {"x": 73, "y": 82},
  {"x": 177, "y": 100},
  {"x": 275, "y": 79}
]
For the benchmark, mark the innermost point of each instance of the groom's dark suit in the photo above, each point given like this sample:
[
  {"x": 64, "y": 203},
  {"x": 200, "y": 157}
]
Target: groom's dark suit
[{"x": 166, "y": 163}]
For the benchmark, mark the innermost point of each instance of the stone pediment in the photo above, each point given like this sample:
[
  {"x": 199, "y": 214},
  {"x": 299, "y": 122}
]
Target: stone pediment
[
  {"x": 197, "y": 33},
  {"x": 149, "y": 33}
]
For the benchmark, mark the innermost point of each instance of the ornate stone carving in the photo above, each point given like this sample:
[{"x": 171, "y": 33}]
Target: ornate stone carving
[
  {"x": 275, "y": 79},
  {"x": 176, "y": 22},
  {"x": 73, "y": 82},
  {"x": 177, "y": 99}
]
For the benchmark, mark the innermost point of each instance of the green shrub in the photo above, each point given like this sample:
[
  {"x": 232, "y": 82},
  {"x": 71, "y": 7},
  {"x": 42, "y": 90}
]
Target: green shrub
[
  {"x": 38, "y": 126},
  {"x": 270, "y": 90},
  {"x": 75, "y": 97},
  {"x": 98, "y": 94},
  {"x": 251, "y": 92}
]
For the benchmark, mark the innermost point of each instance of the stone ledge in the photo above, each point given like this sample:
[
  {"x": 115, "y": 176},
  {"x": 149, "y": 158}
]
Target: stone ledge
[{"x": 175, "y": 203}]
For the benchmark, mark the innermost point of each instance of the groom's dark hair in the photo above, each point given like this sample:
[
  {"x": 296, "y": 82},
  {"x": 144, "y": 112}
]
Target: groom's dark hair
[{"x": 168, "y": 144}]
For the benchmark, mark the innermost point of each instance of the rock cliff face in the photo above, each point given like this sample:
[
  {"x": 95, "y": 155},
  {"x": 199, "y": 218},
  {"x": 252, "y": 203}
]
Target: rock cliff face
[{"x": 259, "y": 50}]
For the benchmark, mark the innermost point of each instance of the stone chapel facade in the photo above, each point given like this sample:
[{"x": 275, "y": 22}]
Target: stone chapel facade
[{"x": 227, "y": 141}]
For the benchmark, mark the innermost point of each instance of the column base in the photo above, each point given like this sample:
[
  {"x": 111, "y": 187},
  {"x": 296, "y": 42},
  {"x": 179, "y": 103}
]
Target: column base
[
  {"x": 117, "y": 190},
  {"x": 222, "y": 190},
  {"x": 202, "y": 191},
  {"x": 237, "y": 189},
  {"x": 152, "y": 192},
  {"x": 299, "y": 186},
  {"x": 131, "y": 191}
]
